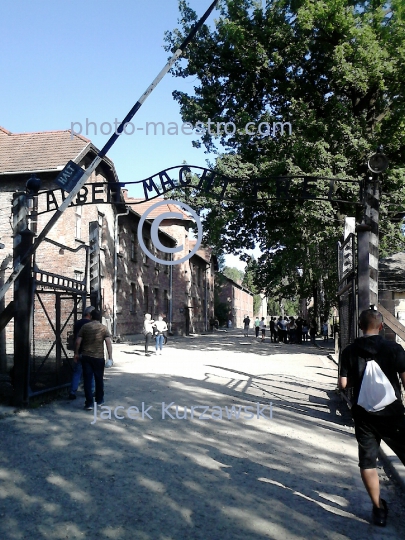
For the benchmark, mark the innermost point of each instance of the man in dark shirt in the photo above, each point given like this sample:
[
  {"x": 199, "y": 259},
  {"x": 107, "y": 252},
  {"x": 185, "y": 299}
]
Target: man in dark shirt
[
  {"x": 372, "y": 427},
  {"x": 77, "y": 366},
  {"x": 298, "y": 334},
  {"x": 92, "y": 337}
]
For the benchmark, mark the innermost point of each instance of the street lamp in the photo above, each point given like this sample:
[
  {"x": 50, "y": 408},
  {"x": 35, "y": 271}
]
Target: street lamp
[{"x": 378, "y": 162}]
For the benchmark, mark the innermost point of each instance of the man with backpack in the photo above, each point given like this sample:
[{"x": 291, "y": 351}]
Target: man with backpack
[{"x": 377, "y": 408}]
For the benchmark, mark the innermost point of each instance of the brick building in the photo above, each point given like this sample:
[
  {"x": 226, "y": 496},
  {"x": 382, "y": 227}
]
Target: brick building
[
  {"x": 125, "y": 282},
  {"x": 191, "y": 283},
  {"x": 238, "y": 298},
  {"x": 64, "y": 252}
]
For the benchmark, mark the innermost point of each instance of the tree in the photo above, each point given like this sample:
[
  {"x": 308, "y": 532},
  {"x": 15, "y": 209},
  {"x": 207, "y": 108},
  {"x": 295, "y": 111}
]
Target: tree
[
  {"x": 249, "y": 281},
  {"x": 233, "y": 273},
  {"x": 334, "y": 70}
]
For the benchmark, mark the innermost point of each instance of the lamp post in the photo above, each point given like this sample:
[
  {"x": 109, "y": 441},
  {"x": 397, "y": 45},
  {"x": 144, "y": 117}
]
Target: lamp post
[{"x": 367, "y": 234}]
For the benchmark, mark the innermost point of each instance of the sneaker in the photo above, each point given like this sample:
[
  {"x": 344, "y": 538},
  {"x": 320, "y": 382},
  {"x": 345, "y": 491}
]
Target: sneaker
[
  {"x": 101, "y": 403},
  {"x": 88, "y": 407},
  {"x": 72, "y": 397},
  {"x": 380, "y": 514}
]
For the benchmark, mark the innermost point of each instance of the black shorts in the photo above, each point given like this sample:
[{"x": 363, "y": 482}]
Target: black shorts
[{"x": 371, "y": 429}]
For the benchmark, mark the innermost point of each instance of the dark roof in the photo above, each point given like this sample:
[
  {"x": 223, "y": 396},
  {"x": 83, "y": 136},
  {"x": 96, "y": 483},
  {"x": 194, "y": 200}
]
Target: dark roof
[
  {"x": 238, "y": 285},
  {"x": 392, "y": 272},
  {"x": 39, "y": 151},
  {"x": 141, "y": 206},
  {"x": 132, "y": 212},
  {"x": 203, "y": 252}
]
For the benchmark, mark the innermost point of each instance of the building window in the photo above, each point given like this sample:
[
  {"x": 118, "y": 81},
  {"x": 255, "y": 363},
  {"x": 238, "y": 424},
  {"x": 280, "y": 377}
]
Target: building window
[
  {"x": 148, "y": 247},
  {"x": 146, "y": 299},
  {"x": 155, "y": 301},
  {"x": 133, "y": 246},
  {"x": 100, "y": 219},
  {"x": 132, "y": 299},
  {"x": 78, "y": 275},
  {"x": 166, "y": 303},
  {"x": 78, "y": 222}
]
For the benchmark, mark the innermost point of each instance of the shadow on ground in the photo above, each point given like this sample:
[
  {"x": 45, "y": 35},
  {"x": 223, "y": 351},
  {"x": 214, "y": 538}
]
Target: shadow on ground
[{"x": 163, "y": 478}]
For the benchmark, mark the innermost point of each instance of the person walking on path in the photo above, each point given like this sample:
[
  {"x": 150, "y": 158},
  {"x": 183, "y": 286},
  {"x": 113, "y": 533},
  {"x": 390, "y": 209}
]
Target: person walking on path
[
  {"x": 387, "y": 424},
  {"x": 246, "y": 324},
  {"x": 282, "y": 329},
  {"x": 77, "y": 366},
  {"x": 313, "y": 330},
  {"x": 262, "y": 324},
  {"x": 325, "y": 331},
  {"x": 276, "y": 332},
  {"x": 91, "y": 338},
  {"x": 305, "y": 330},
  {"x": 166, "y": 332},
  {"x": 298, "y": 332},
  {"x": 272, "y": 335},
  {"x": 147, "y": 331},
  {"x": 257, "y": 326},
  {"x": 160, "y": 328},
  {"x": 293, "y": 330}
]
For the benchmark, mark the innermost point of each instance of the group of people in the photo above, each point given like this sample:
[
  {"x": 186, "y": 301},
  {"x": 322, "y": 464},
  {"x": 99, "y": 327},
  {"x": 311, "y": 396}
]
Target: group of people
[
  {"x": 157, "y": 329},
  {"x": 89, "y": 339},
  {"x": 371, "y": 425},
  {"x": 285, "y": 330}
]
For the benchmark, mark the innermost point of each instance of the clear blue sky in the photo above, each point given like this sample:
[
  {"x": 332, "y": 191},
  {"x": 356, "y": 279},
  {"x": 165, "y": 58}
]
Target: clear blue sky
[{"x": 65, "y": 61}]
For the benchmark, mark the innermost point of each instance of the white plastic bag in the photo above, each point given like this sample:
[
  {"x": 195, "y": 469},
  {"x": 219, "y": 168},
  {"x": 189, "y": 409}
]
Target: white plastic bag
[{"x": 376, "y": 391}]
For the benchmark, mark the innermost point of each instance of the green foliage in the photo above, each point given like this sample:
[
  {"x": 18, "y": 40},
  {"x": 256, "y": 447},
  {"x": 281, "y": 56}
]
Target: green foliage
[
  {"x": 250, "y": 276},
  {"x": 222, "y": 312},
  {"x": 233, "y": 273},
  {"x": 257, "y": 302},
  {"x": 273, "y": 306},
  {"x": 335, "y": 71}
]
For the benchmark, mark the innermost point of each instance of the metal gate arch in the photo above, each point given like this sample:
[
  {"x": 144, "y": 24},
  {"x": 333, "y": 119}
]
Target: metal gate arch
[{"x": 58, "y": 302}]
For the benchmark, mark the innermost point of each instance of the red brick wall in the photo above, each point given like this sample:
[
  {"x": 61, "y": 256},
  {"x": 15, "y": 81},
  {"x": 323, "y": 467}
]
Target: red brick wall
[
  {"x": 138, "y": 274},
  {"x": 190, "y": 281},
  {"x": 239, "y": 300}
]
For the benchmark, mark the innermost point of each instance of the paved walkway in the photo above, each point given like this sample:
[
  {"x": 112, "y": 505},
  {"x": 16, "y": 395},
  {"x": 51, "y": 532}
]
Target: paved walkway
[{"x": 292, "y": 476}]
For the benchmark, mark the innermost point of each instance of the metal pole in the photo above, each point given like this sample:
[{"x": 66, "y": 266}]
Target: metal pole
[
  {"x": 171, "y": 295},
  {"x": 81, "y": 180},
  {"x": 372, "y": 218},
  {"x": 363, "y": 271},
  {"x": 368, "y": 248},
  {"x": 23, "y": 301}
]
